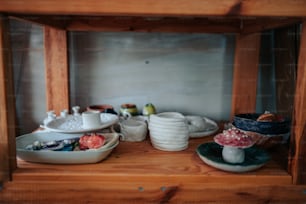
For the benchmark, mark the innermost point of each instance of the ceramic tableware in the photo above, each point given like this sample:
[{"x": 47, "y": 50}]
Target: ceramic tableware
[
  {"x": 91, "y": 119},
  {"x": 73, "y": 124},
  {"x": 249, "y": 122},
  {"x": 128, "y": 110},
  {"x": 103, "y": 108},
  {"x": 211, "y": 154},
  {"x": 211, "y": 127},
  {"x": 62, "y": 157},
  {"x": 234, "y": 142},
  {"x": 168, "y": 131},
  {"x": 131, "y": 130}
]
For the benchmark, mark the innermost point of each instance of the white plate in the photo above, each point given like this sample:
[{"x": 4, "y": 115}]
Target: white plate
[
  {"x": 73, "y": 124},
  {"x": 60, "y": 157},
  {"x": 211, "y": 128}
]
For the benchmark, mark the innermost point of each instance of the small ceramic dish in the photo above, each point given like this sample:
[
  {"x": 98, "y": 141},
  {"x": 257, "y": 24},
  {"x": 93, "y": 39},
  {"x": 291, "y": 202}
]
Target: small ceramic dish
[
  {"x": 63, "y": 157},
  {"x": 211, "y": 154},
  {"x": 211, "y": 127}
]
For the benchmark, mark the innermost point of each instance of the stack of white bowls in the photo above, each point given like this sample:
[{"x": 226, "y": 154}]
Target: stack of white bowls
[{"x": 169, "y": 131}]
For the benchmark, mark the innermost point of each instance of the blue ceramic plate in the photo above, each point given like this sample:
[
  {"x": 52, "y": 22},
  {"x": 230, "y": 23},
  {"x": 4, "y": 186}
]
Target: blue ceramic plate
[{"x": 211, "y": 154}]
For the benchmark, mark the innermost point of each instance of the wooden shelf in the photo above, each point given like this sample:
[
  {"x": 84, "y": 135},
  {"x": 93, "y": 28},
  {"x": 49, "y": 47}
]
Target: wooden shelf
[
  {"x": 136, "y": 172},
  {"x": 132, "y": 161}
]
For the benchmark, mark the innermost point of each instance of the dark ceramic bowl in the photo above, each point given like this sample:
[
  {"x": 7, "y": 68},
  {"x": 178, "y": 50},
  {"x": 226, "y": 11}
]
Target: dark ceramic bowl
[
  {"x": 103, "y": 108},
  {"x": 248, "y": 122}
]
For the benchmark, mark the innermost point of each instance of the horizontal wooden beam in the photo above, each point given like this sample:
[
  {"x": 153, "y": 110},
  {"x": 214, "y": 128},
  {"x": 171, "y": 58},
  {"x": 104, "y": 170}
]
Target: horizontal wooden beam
[
  {"x": 138, "y": 192},
  {"x": 159, "y": 24},
  {"x": 158, "y": 7}
]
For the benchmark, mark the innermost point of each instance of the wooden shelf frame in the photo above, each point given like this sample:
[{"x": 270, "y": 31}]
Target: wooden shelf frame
[{"x": 247, "y": 19}]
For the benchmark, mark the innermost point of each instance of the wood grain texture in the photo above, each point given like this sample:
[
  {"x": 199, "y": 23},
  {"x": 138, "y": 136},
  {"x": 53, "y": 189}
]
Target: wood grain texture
[
  {"x": 286, "y": 54},
  {"x": 149, "y": 192},
  {"x": 158, "y": 7},
  {"x": 132, "y": 161},
  {"x": 135, "y": 172},
  {"x": 298, "y": 139},
  {"x": 245, "y": 73},
  {"x": 159, "y": 24},
  {"x": 7, "y": 104},
  {"x": 57, "y": 71}
]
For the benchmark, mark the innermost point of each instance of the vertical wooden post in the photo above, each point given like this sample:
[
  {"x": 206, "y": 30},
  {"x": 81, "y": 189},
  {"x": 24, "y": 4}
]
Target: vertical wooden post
[
  {"x": 7, "y": 105},
  {"x": 245, "y": 73},
  {"x": 298, "y": 137},
  {"x": 57, "y": 71}
]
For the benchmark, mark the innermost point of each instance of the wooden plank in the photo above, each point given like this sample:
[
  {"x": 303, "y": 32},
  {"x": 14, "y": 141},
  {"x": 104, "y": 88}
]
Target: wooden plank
[
  {"x": 158, "y": 7},
  {"x": 245, "y": 73},
  {"x": 129, "y": 162},
  {"x": 57, "y": 71},
  {"x": 298, "y": 138},
  {"x": 137, "y": 24},
  {"x": 7, "y": 104},
  {"x": 286, "y": 54},
  {"x": 137, "y": 172},
  {"x": 160, "y": 24},
  {"x": 143, "y": 24},
  {"x": 256, "y": 25},
  {"x": 148, "y": 192}
]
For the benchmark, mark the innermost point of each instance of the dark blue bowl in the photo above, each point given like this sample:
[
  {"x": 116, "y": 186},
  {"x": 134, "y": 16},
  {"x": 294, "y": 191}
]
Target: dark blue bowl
[{"x": 247, "y": 122}]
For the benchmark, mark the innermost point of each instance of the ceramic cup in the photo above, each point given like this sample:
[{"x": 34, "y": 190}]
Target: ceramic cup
[
  {"x": 103, "y": 108},
  {"x": 131, "y": 130},
  {"x": 91, "y": 119},
  {"x": 128, "y": 110}
]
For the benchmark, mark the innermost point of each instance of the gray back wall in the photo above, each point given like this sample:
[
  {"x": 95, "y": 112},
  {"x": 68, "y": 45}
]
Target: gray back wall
[{"x": 189, "y": 73}]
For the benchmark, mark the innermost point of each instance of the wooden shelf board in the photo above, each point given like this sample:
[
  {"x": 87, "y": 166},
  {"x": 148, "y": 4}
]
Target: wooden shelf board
[
  {"x": 160, "y": 24},
  {"x": 158, "y": 7},
  {"x": 140, "y": 161}
]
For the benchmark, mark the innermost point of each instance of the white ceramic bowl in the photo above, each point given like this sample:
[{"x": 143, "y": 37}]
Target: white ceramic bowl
[{"x": 169, "y": 131}]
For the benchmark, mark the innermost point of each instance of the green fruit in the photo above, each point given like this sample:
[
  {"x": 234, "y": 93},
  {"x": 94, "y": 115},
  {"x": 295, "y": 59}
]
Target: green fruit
[{"x": 148, "y": 109}]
